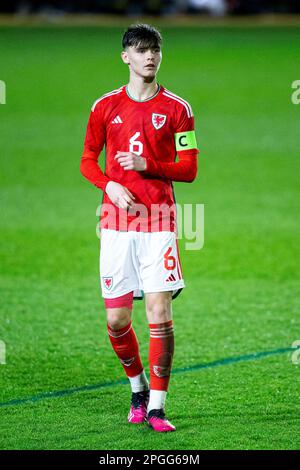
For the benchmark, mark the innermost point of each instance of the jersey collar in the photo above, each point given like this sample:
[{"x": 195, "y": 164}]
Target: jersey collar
[{"x": 142, "y": 101}]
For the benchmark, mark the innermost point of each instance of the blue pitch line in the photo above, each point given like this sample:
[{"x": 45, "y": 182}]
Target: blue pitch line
[{"x": 208, "y": 365}]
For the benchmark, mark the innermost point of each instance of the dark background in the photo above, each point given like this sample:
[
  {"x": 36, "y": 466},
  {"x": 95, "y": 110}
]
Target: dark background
[{"x": 158, "y": 7}]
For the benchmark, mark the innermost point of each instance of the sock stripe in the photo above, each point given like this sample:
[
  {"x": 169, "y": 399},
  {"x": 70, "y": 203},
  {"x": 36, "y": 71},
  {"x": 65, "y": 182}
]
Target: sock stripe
[
  {"x": 161, "y": 333},
  {"x": 162, "y": 330},
  {"x": 116, "y": 334},
  {"x": 162, "y": 336},
  {"x": 166, "y": 328}
]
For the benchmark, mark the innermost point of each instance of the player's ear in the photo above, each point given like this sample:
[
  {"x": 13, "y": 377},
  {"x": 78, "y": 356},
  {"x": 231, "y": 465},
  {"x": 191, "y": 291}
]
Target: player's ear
[{"x": 124, "y": 57}]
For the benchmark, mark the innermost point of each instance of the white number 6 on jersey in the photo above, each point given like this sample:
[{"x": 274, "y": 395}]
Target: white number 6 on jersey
[{"x": 135, "y": 146}]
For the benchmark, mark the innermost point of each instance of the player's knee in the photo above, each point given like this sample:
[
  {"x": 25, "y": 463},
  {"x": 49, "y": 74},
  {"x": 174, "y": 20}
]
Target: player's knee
[
  {"x": 119, "y": 311},
  {"x": 118, "y": 319},
  {"x": 159, "y": 312}
]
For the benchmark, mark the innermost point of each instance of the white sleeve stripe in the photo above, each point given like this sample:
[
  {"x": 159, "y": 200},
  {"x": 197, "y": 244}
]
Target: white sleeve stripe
[
  {"x": 114, "y": 92},
  {"x": 180, "y": 100}
]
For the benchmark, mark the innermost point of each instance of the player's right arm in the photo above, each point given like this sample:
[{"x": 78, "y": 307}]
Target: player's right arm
[
  {"x": 119, "y": 195},
  {"x": 89, "y": 167},
  {"x": 93, "y": 145}
]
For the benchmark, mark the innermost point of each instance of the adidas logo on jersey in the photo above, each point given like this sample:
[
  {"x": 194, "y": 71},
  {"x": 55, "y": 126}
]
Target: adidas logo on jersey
[
  {"x": 171, "y": 278},
  {"x": 117, "y": 120}
]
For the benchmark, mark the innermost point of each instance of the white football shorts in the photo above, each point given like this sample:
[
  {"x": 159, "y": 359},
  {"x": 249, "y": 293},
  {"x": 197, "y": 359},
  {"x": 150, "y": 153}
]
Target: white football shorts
[{"x": 141, "y": 262}]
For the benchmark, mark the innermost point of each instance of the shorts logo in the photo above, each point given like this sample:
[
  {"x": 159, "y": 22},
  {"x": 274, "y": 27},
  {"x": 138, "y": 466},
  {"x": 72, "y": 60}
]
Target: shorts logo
[
  {"x": 108, "y": 282},
  {"x": 171, "y": 278},
  {"x": 158, "y": 120}
]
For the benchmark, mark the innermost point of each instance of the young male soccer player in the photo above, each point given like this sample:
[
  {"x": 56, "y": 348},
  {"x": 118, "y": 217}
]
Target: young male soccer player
[{"x": 143, "y": 126}]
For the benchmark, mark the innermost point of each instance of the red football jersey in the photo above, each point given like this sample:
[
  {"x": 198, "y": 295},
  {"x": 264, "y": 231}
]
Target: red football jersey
[{"x": 158, "y": 129}]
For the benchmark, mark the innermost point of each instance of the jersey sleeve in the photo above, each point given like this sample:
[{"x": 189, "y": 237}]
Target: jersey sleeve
[
  {"x": 184, "y": 131},
  {"x": 93, "y": 145},
  {"x": 185, "y": 169}
]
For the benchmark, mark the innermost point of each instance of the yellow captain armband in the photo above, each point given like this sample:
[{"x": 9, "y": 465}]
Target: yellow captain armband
[{"x": 185, "y": 140}]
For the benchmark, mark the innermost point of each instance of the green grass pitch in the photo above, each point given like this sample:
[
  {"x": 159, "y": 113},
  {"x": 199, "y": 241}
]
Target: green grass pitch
[{"x": 242, "y": 294}]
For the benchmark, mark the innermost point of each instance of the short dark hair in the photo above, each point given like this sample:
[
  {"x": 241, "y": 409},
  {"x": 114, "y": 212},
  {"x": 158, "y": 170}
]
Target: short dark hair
[{"x": 142, "y": 35}]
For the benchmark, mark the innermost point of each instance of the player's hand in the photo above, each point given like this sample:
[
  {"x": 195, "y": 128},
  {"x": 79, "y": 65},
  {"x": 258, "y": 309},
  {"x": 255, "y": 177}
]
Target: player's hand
[
  {"x": 119, "y": 195},
  {"x": 131, "y": 161}
]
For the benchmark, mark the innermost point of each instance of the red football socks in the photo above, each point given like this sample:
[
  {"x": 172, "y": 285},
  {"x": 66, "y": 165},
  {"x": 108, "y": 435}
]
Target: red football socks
[
  {"x": 126, "y": 347},
  {"x": 161, "y": 350}
]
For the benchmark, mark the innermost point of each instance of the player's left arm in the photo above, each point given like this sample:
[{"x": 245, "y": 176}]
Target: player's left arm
[{"x": 185, "y": 169}]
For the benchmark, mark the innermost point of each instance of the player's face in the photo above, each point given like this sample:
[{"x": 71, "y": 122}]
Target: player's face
[{"x": 142, "y": 61}]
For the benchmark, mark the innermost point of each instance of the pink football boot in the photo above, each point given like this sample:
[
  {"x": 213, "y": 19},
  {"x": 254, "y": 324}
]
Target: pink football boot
[
  {"x": 138, "y": 409},
  {"x": 158, "y": 421}
]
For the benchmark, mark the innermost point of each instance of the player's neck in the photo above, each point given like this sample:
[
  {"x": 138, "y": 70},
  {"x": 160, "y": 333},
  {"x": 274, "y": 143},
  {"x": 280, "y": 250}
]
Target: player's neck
[{"x": 141, "y": 90}]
